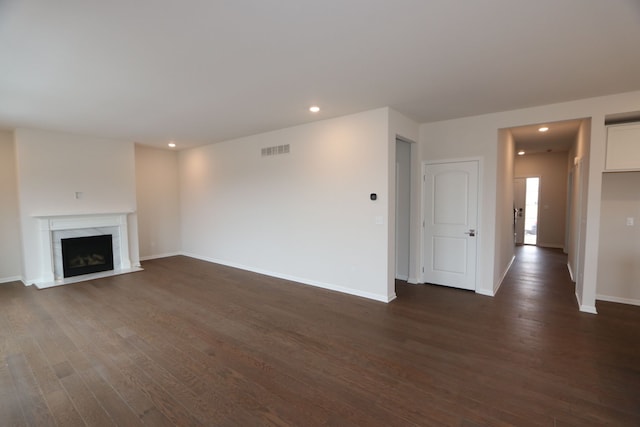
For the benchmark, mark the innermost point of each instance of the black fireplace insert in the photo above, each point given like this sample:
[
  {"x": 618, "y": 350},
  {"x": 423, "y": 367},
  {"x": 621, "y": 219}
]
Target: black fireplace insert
[{"x": 84, "y": 255}]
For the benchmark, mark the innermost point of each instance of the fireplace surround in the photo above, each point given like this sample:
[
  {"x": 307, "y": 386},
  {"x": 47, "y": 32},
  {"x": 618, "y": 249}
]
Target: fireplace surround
[{"x": 55, "y": 228}]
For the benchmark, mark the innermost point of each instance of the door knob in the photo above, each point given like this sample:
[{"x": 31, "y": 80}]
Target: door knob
[{"x": 471, "y": 232}]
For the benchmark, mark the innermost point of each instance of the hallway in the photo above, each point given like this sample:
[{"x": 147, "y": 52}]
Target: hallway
[
  {"x": 532, "y": 350},
  {"x": 539, "y": 281}
]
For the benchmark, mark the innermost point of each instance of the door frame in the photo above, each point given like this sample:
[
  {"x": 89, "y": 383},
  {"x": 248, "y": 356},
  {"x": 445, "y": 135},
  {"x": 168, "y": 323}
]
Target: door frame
[
  {"x": 411, "y": 146},
  {"x": 480, "y": 224},
  {"x": 524, "y": 209},
  {"x": 525, "y": 204}
]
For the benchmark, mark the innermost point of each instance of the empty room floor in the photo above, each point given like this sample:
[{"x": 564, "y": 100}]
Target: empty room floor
[{"x": 192, "y": 343}]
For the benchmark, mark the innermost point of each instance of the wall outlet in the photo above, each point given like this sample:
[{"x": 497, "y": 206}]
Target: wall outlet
[{"x": 630, "y": 221}]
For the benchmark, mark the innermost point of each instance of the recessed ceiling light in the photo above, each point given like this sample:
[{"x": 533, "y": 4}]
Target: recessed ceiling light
[
  {"x": 543, "y": 129},
  {"x": 521, "y": 153},
  {"x": 172, "y": 144},
  {"x": 314, "y": 108}
]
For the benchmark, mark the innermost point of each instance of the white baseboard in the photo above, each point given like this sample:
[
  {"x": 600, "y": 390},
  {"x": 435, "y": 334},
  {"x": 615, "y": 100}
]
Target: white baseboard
[
  {"x": 551, "y": 245},
  {"x": 402, "y": 277},
  {"x": 496, "y": 287},
  {"x": 304, "y": 281},
  {"x": 150, "y": 257},
  {"x": 586, "y": 308},
  {"x": 571, "y": 273},
  {"x": 485, "y": 292},
  {"x": 413, "y": 280},
  {"x": 609, "y": 298},
  {"x": 10, "y": 279}
]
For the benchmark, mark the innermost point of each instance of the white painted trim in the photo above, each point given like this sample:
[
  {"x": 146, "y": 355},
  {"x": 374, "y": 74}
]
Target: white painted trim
[
  {"x": 504, "y": 274},
  {"x": 156, "y": 256},
  {"x": 402, "y": 277},
  {"x": 453, "y": 160},
  {"x": 551, "y": 245},
  {"x": 608, "y": 298},
  {"x": 87, "y": 277},
  {"x": 571, "y": 273},
  {"x": 329, "y": 286},
  {"x": 413, "y": 280},
  {"x": 10, "y": 279},
  {"x": 586, "y": 308}
]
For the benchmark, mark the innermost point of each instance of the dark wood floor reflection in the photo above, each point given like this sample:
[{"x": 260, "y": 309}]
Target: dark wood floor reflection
[{"x": 191, "y": 343}]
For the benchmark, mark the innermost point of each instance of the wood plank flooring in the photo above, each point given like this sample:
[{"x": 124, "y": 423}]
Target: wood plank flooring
[{"x": 190, "y": 343}]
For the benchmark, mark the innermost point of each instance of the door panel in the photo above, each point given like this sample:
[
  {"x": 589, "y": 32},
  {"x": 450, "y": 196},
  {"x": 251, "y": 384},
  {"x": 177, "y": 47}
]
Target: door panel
[
  {"x": 450, "y": 223},
  {"x": 450, "y": 206},
  {"x": 442, "y": 247}
]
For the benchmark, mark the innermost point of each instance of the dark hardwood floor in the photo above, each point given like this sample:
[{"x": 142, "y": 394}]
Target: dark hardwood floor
[{"x": 191, "y": 343}]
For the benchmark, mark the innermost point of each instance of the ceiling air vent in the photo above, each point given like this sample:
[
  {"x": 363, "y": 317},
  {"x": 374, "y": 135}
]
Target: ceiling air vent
[{"x": 275, "y": 150}]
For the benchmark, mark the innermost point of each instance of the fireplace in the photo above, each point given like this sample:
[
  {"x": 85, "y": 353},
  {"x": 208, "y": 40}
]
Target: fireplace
[
  {"x": 112, "y": 259},
  {"x": 85, "y": 255}
]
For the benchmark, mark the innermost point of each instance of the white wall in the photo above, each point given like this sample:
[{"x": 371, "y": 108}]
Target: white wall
[
  {"x": 53, "y": 166},
  {"x": 10, "y": 244},
  {"x": 579, "y": 167},
  {"x": 158, "y": 201},
  {"x": 618, "y": 264},
  {"x": 505, "y": 245},
  {"x": 552, "y": 195},
  {"x": 306, "y": 215},
  {"x": 478, "y": 136}
]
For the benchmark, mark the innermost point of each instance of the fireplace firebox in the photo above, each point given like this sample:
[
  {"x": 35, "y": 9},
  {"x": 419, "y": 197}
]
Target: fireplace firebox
[{"x": 84, "y": 255}]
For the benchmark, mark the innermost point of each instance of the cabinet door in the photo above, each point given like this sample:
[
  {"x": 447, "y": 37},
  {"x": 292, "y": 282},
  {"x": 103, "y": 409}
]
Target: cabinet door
[{"x": 623, "y": 147}]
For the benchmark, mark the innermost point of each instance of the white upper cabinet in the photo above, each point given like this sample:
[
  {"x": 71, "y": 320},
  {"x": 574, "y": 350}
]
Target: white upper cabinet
[{"x": 623, "y": 147}]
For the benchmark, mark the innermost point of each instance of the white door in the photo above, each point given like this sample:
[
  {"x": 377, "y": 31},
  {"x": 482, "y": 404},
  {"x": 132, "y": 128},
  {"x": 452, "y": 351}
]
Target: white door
[
  {"x": 519, "y": 191},
  {"x": 450, "y": 224}
]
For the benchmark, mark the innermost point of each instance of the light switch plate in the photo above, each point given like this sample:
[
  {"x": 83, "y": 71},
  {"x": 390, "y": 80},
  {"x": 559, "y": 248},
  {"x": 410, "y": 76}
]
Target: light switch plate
[{"x": 630, "y": 221}]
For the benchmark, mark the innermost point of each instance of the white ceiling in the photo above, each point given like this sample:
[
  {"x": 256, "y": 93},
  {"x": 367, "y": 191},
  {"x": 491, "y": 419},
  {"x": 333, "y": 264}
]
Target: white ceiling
[
  {"x": 561, "y": 136},
  {"x": 201, "y": 71}
]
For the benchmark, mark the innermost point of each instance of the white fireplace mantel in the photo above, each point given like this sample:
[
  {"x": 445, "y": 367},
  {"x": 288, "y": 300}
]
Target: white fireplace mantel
[{"x": 53, "y": 227}]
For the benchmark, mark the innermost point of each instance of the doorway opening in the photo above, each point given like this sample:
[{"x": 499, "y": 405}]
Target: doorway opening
[
  {"x": 526, "y": 195},
  {"x": 543, "y": 157},
  {"x": 403, "y": 208},
  {"x": 532, "y": 189},
  {"x": 553, "y": 152}
]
